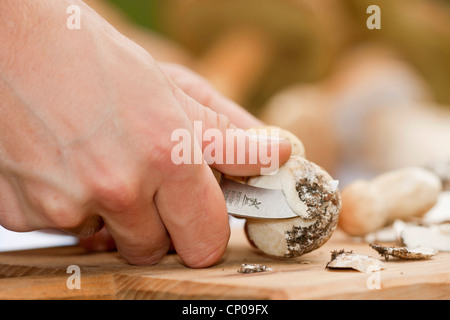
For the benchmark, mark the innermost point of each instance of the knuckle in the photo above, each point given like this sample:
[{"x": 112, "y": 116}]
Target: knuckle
[
  {"x": 57, "y": 208},
  {"x": 223, "y": 122},
  {"x": 161, "y": 159},
  {"x": 160, "y": 152},
  {"x": 215, "y": 119},
  {"x": 61, "y": 213},
  {"x": 114, "y": 193}
]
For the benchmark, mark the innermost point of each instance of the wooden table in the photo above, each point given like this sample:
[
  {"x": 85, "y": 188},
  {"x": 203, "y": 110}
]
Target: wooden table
[{"x": 42, "y": 274}]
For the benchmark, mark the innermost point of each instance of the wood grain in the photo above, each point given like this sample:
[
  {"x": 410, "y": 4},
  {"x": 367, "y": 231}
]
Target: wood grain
[{"x": 41, "y": 274}]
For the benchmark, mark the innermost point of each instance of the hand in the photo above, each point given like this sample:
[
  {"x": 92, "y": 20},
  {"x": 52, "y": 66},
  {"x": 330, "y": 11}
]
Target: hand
[
  {"x": 201, "y": 90},
  {"x": 85, "y": 139}
]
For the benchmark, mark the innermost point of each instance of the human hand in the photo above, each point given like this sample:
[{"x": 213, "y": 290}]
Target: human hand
[{"x": 85, "y": 139}]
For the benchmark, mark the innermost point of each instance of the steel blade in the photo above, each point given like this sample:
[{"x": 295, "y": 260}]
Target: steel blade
[{"x": 246, "y": 201}]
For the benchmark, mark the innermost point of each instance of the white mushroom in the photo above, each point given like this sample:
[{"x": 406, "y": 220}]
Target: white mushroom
[
  {"x": 312, "y": 194},
  {"x": 349, "y": 260},
  {"x": 436, "y": 236},
  {"x": 370, "y": 205}
]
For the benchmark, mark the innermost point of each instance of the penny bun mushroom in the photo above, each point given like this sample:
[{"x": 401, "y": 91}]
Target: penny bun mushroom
[
  {"x": 395, "y": 195},
  {"x": 311, "y": 193}
]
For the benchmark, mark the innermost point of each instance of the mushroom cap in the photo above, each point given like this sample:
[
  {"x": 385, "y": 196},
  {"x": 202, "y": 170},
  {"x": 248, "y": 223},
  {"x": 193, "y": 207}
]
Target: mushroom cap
[{"x": 312, "y": 194}]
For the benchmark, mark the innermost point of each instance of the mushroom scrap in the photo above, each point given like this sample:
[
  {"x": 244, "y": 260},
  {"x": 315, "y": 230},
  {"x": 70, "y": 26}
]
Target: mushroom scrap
[
  {"x": 404, "y": 252},
  {"x": 349, "y": 260},
  {"x": 436, "y": 236}
]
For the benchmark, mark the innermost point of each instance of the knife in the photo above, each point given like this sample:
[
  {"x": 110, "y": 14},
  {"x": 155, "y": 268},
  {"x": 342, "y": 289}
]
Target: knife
[{"x": 244, "y": 201}]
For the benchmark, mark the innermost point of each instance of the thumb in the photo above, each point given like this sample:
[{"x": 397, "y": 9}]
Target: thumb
[{"x": 232, "y": 150}]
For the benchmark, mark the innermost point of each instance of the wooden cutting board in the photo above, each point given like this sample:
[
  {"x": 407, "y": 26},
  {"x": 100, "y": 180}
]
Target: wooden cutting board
[{"x": 42, "y": 274}]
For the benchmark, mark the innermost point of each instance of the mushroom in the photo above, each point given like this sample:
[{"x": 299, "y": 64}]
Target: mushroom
[
  {"x": 349, "y": 260},
  {"x": 335, "y": 113},
  {"x": 404, "y": 253},
  {"x": 309, "y": 106},
  {"x": 252, "y": 268},
  {"x": 436, "y": 236},
  {"x": 386, "y": 113},
  {"x": 441, "y": 167},
  {"x": 440, "y": 213},
  {"x": 401, "y": 194},
  {"x": 311, "y": 193}
]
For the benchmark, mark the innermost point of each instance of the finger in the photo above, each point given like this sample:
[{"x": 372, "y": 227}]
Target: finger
[
  {"x": 99, "y": 242},
  {"x": 193, "y": 210},
  {"x": 203, "y": 92},
  {"x": 231, "y": 150},
  {"x": 251, "y": 154},
  {"x": 139, "y": 233}
]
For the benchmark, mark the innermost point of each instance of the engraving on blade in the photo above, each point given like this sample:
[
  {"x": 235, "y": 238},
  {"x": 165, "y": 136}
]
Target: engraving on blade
[{"x": 247, "y": 201}]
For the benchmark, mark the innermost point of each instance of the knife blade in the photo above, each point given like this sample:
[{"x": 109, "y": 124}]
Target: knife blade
[{"x": 244, "y": 201}]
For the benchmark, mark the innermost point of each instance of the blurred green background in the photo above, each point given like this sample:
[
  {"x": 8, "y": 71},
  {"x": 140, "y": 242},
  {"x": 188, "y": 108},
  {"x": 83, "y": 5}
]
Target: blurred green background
[{"x": 143, "y": 12}]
